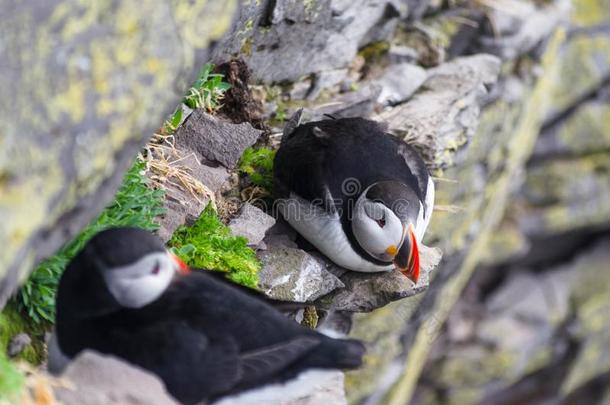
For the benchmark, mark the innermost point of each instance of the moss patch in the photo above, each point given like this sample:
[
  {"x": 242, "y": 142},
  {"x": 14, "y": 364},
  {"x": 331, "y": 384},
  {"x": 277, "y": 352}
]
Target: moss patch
[
  {"x": 257, "y": 164},
  {"x": 209, "y": 244},
  {"x": 12, "y": 322}
]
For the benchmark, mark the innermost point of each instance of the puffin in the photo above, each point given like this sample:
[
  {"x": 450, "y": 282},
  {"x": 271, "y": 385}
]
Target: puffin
[
  {"x": 360, "y": 195},
  {"x": 125, "y": 295}
]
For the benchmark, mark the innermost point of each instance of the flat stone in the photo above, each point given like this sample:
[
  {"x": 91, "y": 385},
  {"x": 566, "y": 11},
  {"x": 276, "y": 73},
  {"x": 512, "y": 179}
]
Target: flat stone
[
  {"x": 18, "y": 343},
  {"x": 214, "y": 139},
  {"x": 101, "y": 380},
  {"x": 399, "y": 82},
  {"x": 290, "y": 274},
  {"x": 312, "y": 387},
  {"x": 325, "y": 80},
  {"x": 365, "y": 292},
  {"x": 251, "y": 223},
  {"x": 353, "y": 104}
]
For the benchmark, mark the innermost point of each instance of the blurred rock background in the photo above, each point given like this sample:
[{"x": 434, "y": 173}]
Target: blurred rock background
[{"x": 509, "y": 102}]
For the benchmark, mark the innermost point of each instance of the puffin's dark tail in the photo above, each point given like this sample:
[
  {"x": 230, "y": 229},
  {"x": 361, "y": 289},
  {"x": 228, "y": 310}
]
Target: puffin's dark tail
[{"x": 335, "y": 353}]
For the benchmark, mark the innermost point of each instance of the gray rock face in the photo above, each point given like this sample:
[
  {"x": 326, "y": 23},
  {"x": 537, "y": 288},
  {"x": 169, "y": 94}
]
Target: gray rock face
[
  {"x": 444, "y": 116},
  {"x": 102, "y": 380},
  {"x": 399, "y": 82},
  {"x": 290, "y": 274},
  {"x": 73, "y": 120},
  {"x": 214, "y": 139},
  {"x": 313, "y": 387},
  {"x": 286, "y": 40},
  {"x": 251, "y": 223}
]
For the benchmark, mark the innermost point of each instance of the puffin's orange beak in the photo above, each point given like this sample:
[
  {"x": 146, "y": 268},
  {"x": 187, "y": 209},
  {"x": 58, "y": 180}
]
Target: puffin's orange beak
[
  {"x": 182, "y": 267},
  {"x": 407, "y": 259}
]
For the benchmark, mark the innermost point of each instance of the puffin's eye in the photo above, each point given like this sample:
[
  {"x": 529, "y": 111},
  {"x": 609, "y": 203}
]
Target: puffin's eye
[
  {"x": 156, "y": 269},
  {"x": 381, "y": 222}
]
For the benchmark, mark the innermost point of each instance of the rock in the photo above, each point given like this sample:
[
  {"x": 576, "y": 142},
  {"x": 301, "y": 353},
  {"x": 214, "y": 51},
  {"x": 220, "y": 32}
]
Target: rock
[
  {"x": 585, "y": 131},
  {"x": 325, "y": 80},
  {"x": 251, "y": 223},
  {"x": 402, "y": 54},
  {"x": 101, "y": 380},
  {"x": 533, "y": 298},
  {"x": 443, "y": 118},
  {"x": 365, "y": 292},
  {"x": 399, "y": 82},
  {"x": 81, "y": 109},
  {"x": 526, "y": 26},
  {"x": 564, "y": 194},
  {"x": 584, "y": 66},
  {"x": 311, "y": 387},
  {"x": 293, "y": 275},
  {"x": 215, "y": 140},
  {"x": 592, "y": 307},
  {"x": 353, "y": 104},
  {"x": 287, "y": 40},
  {"x": 18, "y": 343}
]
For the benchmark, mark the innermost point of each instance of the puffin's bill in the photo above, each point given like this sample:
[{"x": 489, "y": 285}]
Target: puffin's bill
[
  {"x": 182, "y": 267},
  {"x": 407, "y": 259}
]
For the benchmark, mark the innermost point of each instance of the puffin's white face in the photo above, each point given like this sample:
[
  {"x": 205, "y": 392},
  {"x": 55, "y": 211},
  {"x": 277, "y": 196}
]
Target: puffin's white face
[
  {"x": 377, "y": 229},
  {"x": 140, "y": 283}
]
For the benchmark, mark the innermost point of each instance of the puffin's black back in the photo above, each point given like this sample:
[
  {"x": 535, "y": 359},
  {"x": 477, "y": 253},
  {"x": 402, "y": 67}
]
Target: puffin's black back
[{"x": 354, "y": 148}]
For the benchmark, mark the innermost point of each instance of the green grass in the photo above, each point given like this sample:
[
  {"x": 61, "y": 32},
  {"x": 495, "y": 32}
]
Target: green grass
[
  {"x": 257, "y": 164},
  {"x": 135, "y": 204},
  {"x": 12, "y": 382},
  {"x": 207, "y": 91},
  {"x": 209, "y": 244}
]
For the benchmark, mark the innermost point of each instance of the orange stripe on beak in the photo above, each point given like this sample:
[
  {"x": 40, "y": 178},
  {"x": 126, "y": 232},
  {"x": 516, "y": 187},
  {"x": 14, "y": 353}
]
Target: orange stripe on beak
[
  {"x": 413, "y": 273},
  {"x": 182, "y": 267}
]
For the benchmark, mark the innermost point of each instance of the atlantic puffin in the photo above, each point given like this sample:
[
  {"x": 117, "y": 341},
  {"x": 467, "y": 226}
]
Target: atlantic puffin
[
  {"x": 360, "y": 195},
  {"x": 124, "y": 294}
]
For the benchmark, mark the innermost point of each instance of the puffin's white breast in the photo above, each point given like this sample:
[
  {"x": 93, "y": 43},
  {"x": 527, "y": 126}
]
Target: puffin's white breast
[{"x": 324, "y": 231}]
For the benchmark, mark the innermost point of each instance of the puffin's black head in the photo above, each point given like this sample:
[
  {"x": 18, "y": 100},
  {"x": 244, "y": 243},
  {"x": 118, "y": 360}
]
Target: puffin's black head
[
  {"x": 119, "y": 267},
  {"x": 382, "y": 223}
]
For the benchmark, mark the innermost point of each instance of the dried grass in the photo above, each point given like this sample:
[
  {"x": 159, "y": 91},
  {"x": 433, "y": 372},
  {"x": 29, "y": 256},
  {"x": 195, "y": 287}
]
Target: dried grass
[{"x": 163, "y": 163}]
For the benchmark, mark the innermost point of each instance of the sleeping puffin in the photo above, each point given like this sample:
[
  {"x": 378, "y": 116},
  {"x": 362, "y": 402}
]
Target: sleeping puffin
[
  {"x": 124, "y": 294},
  {"x": 361, "y": 196}
]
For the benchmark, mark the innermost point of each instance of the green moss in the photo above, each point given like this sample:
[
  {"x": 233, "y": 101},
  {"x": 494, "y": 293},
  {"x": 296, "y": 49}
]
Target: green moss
[
  {"x": 210, "y": 245},
  {"x": 257, "y": 164},
  {"x": 374, "y": 51},
  {"x": 135, "y": 204},
  {"x": 12, "y": 322},
  {"x": 12, "y": 381}
]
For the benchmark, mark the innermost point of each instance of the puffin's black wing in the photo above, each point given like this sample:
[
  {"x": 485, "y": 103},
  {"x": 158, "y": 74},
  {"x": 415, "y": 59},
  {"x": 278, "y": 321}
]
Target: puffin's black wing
[
  {"x": 332, "y": 161},
  {"x": 210, "y": 304},
  {"x": 192, "y": 365}
]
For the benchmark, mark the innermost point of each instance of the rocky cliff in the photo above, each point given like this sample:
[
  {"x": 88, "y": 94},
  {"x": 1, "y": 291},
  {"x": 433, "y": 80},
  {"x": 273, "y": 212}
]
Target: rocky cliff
[{"x": 507, "y": 102}]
